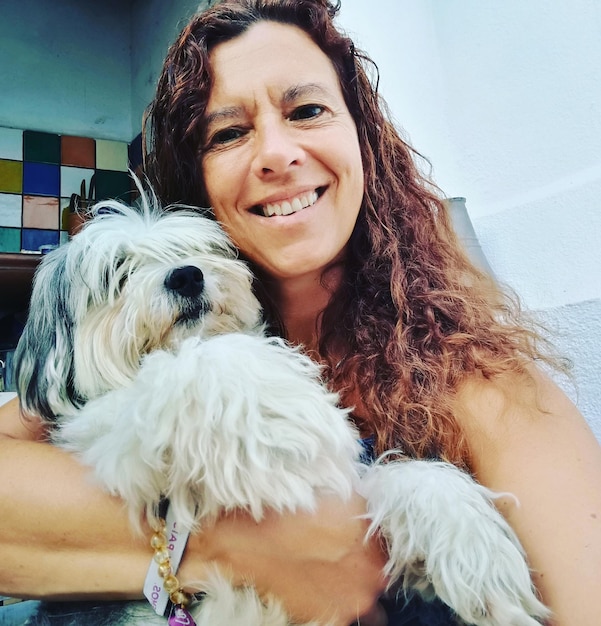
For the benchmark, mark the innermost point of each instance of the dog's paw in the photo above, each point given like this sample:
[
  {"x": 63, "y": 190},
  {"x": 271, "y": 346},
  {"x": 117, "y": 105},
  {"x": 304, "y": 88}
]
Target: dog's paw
[{"x": 446, "y": 538}]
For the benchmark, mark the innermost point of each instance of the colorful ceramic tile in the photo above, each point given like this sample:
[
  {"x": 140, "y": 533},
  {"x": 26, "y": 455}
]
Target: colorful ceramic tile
[
  {"x": 10, "y": 239},
  {"x": 71, "y": 178},
  {"x": 78, "y": 151},
  {"x": 41, "y": 147},
  {"x": 11, "y": 143},
  {"x": 11, "y": 176},
  {"x": 33, "y": 239},
  {"x": 111, "y": 184},
  {"x": 10, "y": 210},
  {"x": 41, "y": 179},
  {"x": 40, "y": 212},
  {"x": 111, "y": 155}
]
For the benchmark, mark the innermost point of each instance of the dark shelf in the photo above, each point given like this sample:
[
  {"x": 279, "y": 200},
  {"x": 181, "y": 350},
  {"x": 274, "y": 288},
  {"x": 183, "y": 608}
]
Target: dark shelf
[{"x": 16, "y": 275}]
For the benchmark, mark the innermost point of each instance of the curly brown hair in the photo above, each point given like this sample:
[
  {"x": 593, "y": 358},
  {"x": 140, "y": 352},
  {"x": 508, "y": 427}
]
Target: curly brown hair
[{"x": 414, "y": 314}]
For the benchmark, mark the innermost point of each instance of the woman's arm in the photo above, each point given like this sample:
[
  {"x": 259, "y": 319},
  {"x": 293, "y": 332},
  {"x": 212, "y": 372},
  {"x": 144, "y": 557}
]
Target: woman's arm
[
  {"x": 550, "y": 460},
  {"x": 61, "y": 536}
]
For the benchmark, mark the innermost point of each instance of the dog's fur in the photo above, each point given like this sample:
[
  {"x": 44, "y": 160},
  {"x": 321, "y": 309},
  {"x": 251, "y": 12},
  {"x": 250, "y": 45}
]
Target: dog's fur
[{"x": 145, "y": 351}]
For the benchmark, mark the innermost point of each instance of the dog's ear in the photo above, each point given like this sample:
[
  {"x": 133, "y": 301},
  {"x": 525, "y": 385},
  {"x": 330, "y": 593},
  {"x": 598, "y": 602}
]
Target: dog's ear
[{"x": 44, "y": 355}]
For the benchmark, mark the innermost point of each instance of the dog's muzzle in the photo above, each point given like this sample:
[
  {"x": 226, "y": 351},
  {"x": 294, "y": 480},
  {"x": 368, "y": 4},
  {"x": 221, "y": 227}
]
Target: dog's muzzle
[{"x": 187, "y": 282}]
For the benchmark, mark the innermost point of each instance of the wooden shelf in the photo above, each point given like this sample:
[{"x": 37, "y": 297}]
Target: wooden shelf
[{"x": 16, "y": 275}]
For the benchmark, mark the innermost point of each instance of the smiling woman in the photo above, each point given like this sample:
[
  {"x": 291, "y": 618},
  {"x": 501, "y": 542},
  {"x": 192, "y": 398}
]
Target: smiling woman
[{"x": 265, "y": 112}]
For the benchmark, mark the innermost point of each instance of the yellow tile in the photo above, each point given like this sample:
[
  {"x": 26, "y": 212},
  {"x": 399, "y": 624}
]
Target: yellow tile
[{"x": 11, "y": 176}]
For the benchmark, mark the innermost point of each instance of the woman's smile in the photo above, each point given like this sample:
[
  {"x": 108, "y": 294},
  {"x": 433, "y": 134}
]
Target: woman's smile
[
  {"x": 281, "y": 158},
  {"x": 288, "y": 205}
]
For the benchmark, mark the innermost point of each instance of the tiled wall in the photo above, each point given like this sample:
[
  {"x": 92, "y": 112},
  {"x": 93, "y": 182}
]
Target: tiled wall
[{"x": 38, "y": 173}]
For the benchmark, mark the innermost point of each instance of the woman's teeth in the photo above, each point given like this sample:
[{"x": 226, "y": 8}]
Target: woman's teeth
[{"x": 286, "y": 208}]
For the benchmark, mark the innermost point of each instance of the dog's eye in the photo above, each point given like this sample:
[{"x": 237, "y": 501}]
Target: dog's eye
[
  {"x": 115, "y": 276},
  {"x": 122, "y": 281}
]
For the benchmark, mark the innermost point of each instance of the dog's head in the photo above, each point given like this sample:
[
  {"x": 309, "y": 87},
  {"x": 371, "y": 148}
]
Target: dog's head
[{"x": 132, "y": 281}]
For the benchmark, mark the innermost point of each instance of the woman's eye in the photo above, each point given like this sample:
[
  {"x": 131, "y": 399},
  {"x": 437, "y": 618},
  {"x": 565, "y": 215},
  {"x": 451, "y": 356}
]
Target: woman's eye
[
  {"x": 225, "y": 136},
  {"x": 307, "y": 112}
]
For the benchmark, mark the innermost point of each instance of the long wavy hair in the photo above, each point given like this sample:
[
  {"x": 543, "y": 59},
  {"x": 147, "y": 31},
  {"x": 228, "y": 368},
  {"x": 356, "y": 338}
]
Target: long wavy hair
[{"x": 415, "y": 316}]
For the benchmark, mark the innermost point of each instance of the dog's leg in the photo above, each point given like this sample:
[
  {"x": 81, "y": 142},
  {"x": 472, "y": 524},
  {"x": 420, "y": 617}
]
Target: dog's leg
[
  {"x": 235, "y": 421},
  {"x": 445, "y": 537}
]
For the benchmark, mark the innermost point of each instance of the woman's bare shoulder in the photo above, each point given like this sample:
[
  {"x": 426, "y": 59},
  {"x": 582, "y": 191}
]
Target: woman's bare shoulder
[
  {"x": 13, "y": 425},
  {"x": 525, "y": 412},
  {"x": 528, "y": 439}
]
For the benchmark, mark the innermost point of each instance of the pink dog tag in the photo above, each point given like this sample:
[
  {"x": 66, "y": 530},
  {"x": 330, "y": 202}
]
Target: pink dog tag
[{"x": 181, "y": 617}]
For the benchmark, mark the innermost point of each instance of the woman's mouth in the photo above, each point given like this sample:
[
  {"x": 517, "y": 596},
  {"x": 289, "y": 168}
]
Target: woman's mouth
[{"x": 287, "y": 207}]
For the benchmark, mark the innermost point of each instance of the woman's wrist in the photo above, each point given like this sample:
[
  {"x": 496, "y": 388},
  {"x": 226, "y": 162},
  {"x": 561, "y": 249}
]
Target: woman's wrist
[{"x": 162, "y": 585}]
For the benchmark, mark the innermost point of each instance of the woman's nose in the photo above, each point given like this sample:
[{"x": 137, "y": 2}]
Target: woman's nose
[{"x": 276, "y": 149}]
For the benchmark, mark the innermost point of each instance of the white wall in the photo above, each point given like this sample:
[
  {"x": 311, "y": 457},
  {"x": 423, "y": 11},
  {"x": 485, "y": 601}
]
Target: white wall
[
  {"x": 504, "y": 97},
  {"x": 65, "y": 67}
]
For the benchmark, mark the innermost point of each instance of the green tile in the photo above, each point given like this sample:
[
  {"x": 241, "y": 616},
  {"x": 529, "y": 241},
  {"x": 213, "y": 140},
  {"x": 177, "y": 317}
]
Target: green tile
[
  {"x": 10, "y": 240},
  {"x": 112, "y": 185},
  {"x": 41, "y": 147},
  {"x": 11, "y": 176}
]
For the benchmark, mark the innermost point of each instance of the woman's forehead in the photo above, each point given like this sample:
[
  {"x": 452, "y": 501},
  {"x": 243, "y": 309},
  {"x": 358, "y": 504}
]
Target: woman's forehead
[{"x": 270, "y": 56}]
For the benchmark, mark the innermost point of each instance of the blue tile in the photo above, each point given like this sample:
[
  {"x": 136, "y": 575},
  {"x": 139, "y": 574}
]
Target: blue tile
[
  {"x": 41, "y": 179},
  {"x": 33, "y": 238},
  {"x": 134, "y": 152}
]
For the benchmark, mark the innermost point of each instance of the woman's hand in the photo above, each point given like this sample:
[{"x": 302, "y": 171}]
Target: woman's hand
[{"x": 318, "y": 564}]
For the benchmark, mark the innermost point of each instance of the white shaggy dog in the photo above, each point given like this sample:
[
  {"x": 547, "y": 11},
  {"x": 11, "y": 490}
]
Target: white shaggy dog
[{"x": 145, "y": 352}]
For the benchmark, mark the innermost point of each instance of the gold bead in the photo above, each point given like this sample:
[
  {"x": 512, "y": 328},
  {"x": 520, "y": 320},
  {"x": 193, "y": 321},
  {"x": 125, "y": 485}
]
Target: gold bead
[
  {"x": 161, "y": 556},
  {"x": 164, "y": 570},
  {"x": 170, "y": 583},
  {"x": 180, "y": 598},
  {"x": 158, "y": 525},
  {"x": 158, "y": 541}
]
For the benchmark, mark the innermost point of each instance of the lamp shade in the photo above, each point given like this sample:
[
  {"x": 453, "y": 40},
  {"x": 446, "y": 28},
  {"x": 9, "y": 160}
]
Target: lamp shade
[{"x": 465, "y": 231}]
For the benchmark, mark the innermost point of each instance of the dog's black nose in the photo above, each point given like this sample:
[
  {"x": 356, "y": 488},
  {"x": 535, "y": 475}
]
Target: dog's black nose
[{"x": 187, "y": 281}]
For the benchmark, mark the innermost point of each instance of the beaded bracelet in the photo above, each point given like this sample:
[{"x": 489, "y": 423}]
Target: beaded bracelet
[{"x": 161, "y": 583}]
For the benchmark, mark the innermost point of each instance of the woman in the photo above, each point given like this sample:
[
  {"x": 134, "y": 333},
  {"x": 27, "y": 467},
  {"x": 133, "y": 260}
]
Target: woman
[{"x": 264, "y": 112}]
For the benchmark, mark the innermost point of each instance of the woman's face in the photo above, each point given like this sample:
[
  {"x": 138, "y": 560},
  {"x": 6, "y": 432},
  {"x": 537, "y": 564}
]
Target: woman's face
[{"x": 281, "y": 158}]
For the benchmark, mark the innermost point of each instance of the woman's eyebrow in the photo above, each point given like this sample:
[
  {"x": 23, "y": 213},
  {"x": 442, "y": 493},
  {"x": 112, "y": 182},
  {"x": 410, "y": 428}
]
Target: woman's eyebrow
[
  {"x": 227, "y": 113},
  {"x": 304, "y": 90},
  {"x": 289, "y": 96}
]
